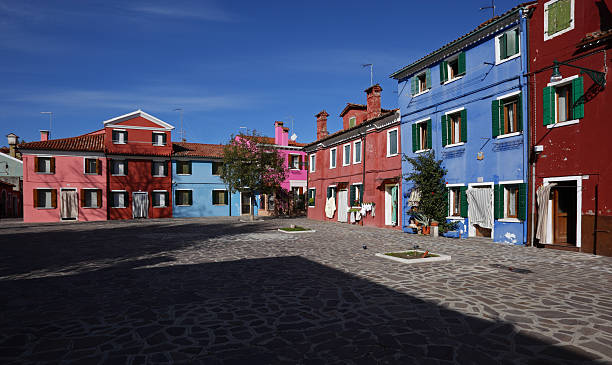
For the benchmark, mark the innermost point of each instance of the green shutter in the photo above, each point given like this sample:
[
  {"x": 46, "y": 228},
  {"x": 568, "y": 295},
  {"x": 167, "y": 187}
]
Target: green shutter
[
  {"x": 428, "y": 79},
  {"x": 495, "y": 118},
  {"x": 548, "y": 108},
  {"x": 328, "y": 192},
  {"x": 463, "y": 201},
  {"x": 577, "y": 93},
  {"x": 517, "y": 41},
  {"x": 522, "y": 203},
  {"x": 503, "y": 53},
  {"x": 552, "y": 18},
  {"x": 190, "y": 194},
  {"x": 446, "y": 203},
  {"x": 519, "y": 113},
  {"x": 464, "y": 125},
  {"x": 564, "y": 16},
  {"x": 361, "y": 193},
  {"x": 352, "y": 197},
  {"x": 415, "y": 138},
  {"x": 498, "y": 201},
  {"x": 443, "y": 72},
  {"x": 429, "y": 144},
  {"x": 444, "y": 127},
  {"x": 461, "y": 63},
  {"x": 413, "y": 85}
]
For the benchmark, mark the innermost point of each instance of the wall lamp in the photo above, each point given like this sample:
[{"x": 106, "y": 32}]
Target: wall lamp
[{"x": 597, "y": 76}]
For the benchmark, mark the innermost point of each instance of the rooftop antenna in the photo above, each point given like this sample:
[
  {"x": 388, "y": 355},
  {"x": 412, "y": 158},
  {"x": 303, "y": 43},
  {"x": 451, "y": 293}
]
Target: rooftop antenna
[
  {"x": 181, "y": 132},
  {"x": 50, "y": 116},
  {"x": 293, "y": 136},
  {"x": 371, "y": 72},
  {"x": 246, "y": 130},
  {"x": 492, "y": 7}
]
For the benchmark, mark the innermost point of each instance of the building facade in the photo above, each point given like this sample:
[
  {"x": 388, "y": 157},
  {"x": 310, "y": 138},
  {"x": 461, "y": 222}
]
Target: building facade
[
  {"x": 571, "y": 198},
  {"x": 466, "y": 102},
  {"x": 11, "y": 173},
  {"x": 354, "y": 175}
]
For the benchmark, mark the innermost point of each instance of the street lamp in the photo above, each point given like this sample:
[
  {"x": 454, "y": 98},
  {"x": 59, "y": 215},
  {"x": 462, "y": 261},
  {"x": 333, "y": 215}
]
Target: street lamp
[{"x": 598, "y": 77}]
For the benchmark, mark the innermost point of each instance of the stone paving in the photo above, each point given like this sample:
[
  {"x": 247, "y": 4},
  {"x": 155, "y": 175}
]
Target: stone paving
[{"x": 213, "y": 291}]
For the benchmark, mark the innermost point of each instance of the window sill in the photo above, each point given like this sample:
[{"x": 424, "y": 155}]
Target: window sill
[
  {"x": 222, "y": 205},
  {"x": 158, "y": 145},
  {"x": 184, "y": 174},
  {"x": 348, "y": 164},
  {"x": 421, "y": 93},
  {"x": 562, "y": 124},
  {"x": 454, "y": 144},
  {"x": 453, "y": 80},
  {"x": 508, "y": 135},
  {"x": 331, "y": 168},
  {"x": 91, "y": 207},
  {"x": 393, "y": 155},
  {"x": 183, "y": 205},
  {"x": 91, "y": 173},
  {"x": 45, "y": 208},
  {"x": 499, "y": 62},
  {"x": 455, "y": 218},
  {"x": 161, "y": 207},
  {"x": 44, "y": 173},
  {"x": 119, "y": 142},
  {"x": 357, "y": 163},
  {"x": 160, "y": 176},
  {"x": 118, "y": 207},
  {"x": 421, "y": 151},
  {"x": 509, "y": 220},
  {"x": 311, "y": 206},
  {"x": 118, "y": 175}
]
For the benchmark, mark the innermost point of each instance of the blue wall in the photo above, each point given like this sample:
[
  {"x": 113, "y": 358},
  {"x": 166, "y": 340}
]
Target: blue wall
[
  {"x": 505, "y": 159},
  {"x": 202, "y": 182}
]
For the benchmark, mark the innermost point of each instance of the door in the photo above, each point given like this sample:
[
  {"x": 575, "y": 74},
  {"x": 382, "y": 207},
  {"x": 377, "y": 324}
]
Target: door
[
  {"x": 564, "y": 213},
  {"x": 140, "y": 205},
  {"x": 342, "y": 205},
  {"x": 480, "y": 211},
  {"x": 245, "y": 203},
  {"x": 69, "y": 204},
  {"x": 391, "y": 205}
]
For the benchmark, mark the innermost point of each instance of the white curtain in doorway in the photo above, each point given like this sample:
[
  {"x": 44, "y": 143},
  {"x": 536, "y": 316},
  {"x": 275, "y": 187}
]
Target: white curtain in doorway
[
  {"x": 480, "y": 210},
  {"x": 69, "y": 207},
  {"x": 140, "y": 205},
  {"x": 542, "y": 196}
]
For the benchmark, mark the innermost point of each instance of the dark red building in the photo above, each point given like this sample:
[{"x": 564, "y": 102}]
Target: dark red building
[
  {"x": 571, "y": 173},
  {"x": 138, "y": 148}
]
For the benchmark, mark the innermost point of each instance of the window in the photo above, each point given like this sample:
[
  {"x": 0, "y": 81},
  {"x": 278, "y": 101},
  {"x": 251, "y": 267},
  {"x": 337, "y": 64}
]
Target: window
[
  {"x": 421, "y": 136},
  {"x": 331, "y": 192},
  {"x": 159, "y": 139},
  {"x": 216, "y": 168},
  {"x": 454, "y": 201},
  {"x": 357, "y": 152},
  {"x": 454, "y": 128},
  {"x": 183, "y": 197},
  {"x": 119, "y": 199},
  {"x": 333, "y": 157},
  {"x": 91, "y": 198},
  {"x": 119, "y": 167},
  {"x": 510, "y": 199},
  {"x": 44, "y": 165},
  {"x": 564, "y": 102},
  {"x": 421, "y": 83},
  {"x": 453, "y": 68},
  {"x": 159, "y": 168},
  {"x": 507, "y": 45},
  {"x": 313, "y": 159},
  {"x": 311, "y": 197},
  {"x": 511, "y": 206},
  {"x": 120, "y": 136},
  {"x": 160, "y": 198},
  {"x": 352, "y": 122},
  {"x": 295, "y": 162},
  {"x": 346, "y": 158},
  {"x": 92, "y": 166},
  {"x": 183, "y": 167},
  {"x": 219, "y": 197},
  {"x": 558, "y": 18},
  {"x": 507, "y": 115},
  {"x": 392, "y": 144},
  {"x": 45, "y": 198},
  {"x": 356, "y": 195}
]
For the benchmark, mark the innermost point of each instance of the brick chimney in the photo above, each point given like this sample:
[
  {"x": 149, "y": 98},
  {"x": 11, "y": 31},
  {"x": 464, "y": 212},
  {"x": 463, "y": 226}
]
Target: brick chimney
[
  {"x": 281, "y": 134},
  {"x": 44, "y": 135},
  {"x": 12, "y": 142},
  {"x": 373, "y": 93},
  {"x": 322, "y": 124}
]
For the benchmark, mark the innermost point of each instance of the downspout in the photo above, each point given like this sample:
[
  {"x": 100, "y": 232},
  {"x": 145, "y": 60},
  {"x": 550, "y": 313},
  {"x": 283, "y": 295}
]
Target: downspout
[
  {"x": 531, "y": 138},
  {"x": 363, "y": 160}
]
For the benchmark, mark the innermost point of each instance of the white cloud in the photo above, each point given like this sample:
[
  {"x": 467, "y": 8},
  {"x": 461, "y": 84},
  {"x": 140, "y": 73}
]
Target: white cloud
[{"x": 202, "y": 11}]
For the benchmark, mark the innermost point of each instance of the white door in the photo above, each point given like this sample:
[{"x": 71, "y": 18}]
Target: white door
[
  {"x": 391, "y": 206},
  {"x": 140, "y": 205},
  {"x": 342, "y": 206},
  {"x": 69, "y": 204}
]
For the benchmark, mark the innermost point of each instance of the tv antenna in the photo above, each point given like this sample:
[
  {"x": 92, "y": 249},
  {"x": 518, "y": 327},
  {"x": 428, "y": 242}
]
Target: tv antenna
[
  {"x": 492, "y": 7},
  {"x": 181, "y": 132},
  {"x": 293, "y": 136},
  {"x": 371, "y": 72}
]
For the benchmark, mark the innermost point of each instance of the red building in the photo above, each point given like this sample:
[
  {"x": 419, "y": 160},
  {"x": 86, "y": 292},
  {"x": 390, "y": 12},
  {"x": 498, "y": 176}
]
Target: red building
[
  {"x": 354, "y": 175},
  {"x": 138, "y": 149},
  {"x": 570, "y": 125}
]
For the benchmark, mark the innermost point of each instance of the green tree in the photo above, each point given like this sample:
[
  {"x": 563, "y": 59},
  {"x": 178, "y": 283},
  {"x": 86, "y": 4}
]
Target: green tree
[
  {"x": 249, "y": 165},
  {"x": 428, "y": 177}
]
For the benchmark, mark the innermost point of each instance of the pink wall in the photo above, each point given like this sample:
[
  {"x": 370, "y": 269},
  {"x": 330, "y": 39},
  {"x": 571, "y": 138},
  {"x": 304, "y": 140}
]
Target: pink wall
[{"x": 69, "y": 173}]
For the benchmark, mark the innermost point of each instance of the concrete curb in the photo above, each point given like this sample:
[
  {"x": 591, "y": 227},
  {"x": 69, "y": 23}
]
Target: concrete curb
[
  {"x": 440, "y": 258},
  {"x": 292, "y": 232}
]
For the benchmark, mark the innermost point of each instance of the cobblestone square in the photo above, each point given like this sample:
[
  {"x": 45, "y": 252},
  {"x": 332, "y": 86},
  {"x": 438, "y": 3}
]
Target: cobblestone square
[{"x": 222, "y": 291}]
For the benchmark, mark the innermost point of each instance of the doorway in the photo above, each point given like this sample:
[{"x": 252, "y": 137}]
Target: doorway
[
  {"x": 480, "y": 210},
  {"x": 342, "y": 205},
  {"x": 563, "y": 198},
  {"x": 391, "y": 204},
  {"x": 245, "y": 203},
  {"x": 140, "y": 205},
  {"x": 69, "y": 204}
]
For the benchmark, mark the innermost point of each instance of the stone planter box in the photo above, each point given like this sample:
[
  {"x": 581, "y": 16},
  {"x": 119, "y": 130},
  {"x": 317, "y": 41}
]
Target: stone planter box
[
  {"x": 440, "y": 258},
  {"x": 306, "y": 231}
]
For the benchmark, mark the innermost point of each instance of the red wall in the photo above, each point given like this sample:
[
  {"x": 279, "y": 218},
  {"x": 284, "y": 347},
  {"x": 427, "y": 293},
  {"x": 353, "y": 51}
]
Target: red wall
[
  {"x": 360, "y": 115},
  {"x": 140, "y": 141}
]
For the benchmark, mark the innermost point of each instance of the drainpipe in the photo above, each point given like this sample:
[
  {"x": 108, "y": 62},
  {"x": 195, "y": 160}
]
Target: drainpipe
[
  {"x": 532, "y": 136},
  {"x": 363, "y": 160}
]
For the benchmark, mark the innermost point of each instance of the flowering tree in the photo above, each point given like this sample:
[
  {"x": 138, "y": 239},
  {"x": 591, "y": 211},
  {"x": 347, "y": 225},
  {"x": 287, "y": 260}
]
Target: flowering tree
[{"x": 252, "y": 166}]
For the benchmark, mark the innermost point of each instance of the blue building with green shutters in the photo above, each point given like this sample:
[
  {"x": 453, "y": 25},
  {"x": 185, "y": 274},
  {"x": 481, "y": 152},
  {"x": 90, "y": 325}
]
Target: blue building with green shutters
[{"x": 467, "y": 102}]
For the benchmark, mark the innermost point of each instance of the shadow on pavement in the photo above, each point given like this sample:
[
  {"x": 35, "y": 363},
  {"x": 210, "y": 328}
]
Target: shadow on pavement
[{"x": 260, "y": 311}]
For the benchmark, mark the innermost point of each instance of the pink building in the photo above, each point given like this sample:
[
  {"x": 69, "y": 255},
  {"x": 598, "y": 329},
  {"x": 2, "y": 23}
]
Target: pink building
[{"x": 64, "y": 179}]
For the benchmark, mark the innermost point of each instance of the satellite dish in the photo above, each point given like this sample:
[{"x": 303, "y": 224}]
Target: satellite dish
[{"x": 293, "y": 137}]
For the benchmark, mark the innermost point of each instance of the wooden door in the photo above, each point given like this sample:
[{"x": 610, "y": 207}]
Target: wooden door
[{"x": 564, "y": 214}]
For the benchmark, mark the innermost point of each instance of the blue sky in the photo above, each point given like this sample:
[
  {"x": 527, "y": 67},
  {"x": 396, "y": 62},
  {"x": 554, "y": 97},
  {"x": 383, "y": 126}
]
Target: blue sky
[{"x": 226, "y": 63}]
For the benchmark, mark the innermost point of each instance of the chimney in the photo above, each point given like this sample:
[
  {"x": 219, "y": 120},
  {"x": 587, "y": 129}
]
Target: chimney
[
  {"x": 44, "y": 135},
  {"x": 281, "y": 134},
  {"x": 322, "y": 124},
  {"x": 373, "y": 93},
  {"x": 12, "y": 142}
]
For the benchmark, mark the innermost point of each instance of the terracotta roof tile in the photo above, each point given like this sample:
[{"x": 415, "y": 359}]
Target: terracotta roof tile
[
  {"x": 197, "y": 150},
  {"x": 595, "y": 38},
  {"x": 270, "y": 140},
  {"x": 89, "y": 143}
]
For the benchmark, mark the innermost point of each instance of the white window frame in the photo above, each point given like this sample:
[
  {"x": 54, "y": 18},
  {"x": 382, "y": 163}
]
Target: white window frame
[
  {"x": 397, "y": 142},
  {"x": 344, "y": 155},
  {"x": 351, "y": 119},
  {"x": 334, "y": 189},
  {"x": 291, "y": 156},
  {"x": 112, "y": 202},
  {"x": 96, "y": 202},
  {"x": 418, "y": 82},
  {"x": 162, "y": 162},
  {"x": 454, "y": 111},
  {"x": 44, "y": 172},
  {"x": 333, "y": 162},
  {"x": 153, "y": 198},
  {"x": 502, "y": 185},
  {"x": 50, "y": 206},
  {"x": 183, "y": 205},
  {"x": 355, "y": 151},
  {"x": 572, "y": 22},
  {"x": 421, "y": 121},
  {"x": 556, "y": 84},
  {"x": 123, "y": 132},
  {"x": 85, "y": 165},
  {"x": 113, "y": 161},
  {"x": 313, "y": 161},
  {"x": 504, "y": 97},
  {"x": 498, "y": 59},
  {"x": 448, "y": 68},
  {"x": 450, "y": 199},
  {"x": 356, "y": 192},
  {"x": 159, "y": 134},
  {"x": 213, "y": 200},
  {"x": 314, "y": 195}
]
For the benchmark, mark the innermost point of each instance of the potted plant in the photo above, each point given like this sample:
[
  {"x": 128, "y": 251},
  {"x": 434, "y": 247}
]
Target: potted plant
[{"x": 423, "y": 220}]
